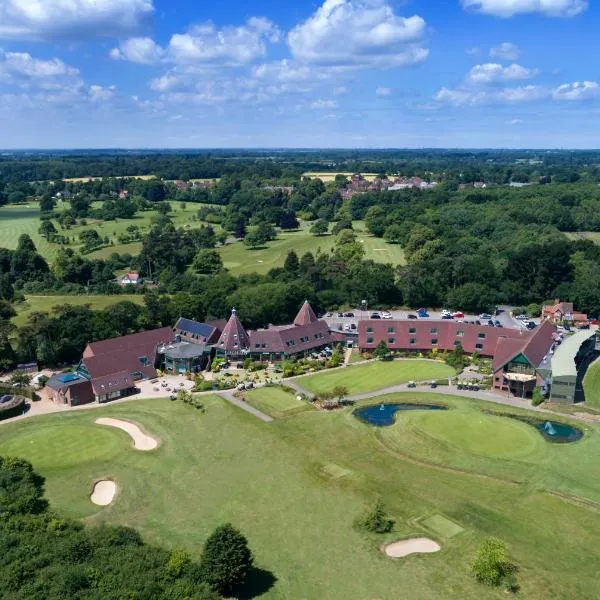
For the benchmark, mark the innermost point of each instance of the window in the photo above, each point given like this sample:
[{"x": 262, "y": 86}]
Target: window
[
  {"x": 479, "y": 346},
  {"x": 434, "y": 330},
  {"x": 264, "y": 345},
  {"x": 369, "y": 330},
  {"x": 434, "y": 342},
  {"x": 369, "y": 340},
  {"x": 391, "y": 340},
  {"x": 413, "y": 341},
  {"x": 304, "y": 339},
  {"x": 412, "y": 330},
  {"x": 457, "y": 343},
  {"x": 391, "y": 330},
  {"x": 292, "y": 342},
  {"x": 257, "y": 346},
  {"x": 482, "y": 336},
  {"x": 144, "y": 360},
  {"x": 460, "y": 333}
]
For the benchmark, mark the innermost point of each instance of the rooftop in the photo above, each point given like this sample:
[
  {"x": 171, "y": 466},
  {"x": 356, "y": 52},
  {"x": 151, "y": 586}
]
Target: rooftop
[{"x": 563, "y": 360}]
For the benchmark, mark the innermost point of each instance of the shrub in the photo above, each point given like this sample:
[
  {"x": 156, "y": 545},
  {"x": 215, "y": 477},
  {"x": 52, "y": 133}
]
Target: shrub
[
  {"x": 491, "y": 565},
  {"x": 226, "y": 560},
  {"x": 537, "y": 397},
  {"x": 376, "y": 520}
]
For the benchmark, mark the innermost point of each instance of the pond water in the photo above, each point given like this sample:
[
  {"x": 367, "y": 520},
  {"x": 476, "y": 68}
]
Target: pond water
[
  {"x": 383, "y": 415},
  {"x": 559, "y": 433}
]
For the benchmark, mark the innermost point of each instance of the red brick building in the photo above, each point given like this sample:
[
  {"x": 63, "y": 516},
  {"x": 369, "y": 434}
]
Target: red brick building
[{"x": 564, "y": 311}]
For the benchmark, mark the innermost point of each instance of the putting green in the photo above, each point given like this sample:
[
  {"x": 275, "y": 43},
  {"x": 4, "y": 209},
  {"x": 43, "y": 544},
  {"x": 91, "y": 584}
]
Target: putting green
[
  {"x": 63, "y": 445},
  {"x": 479, "y": 434}
]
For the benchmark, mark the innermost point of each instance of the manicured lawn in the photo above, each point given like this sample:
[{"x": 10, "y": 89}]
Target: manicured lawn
[
  {"x": 46, "y": 303},
  {"x": 241, "y": 260},
  {"x": 296, "y": 485},
  {"x": 275, "y": 401},
  {"x": 16, "y": 220},
  {"x": 591, "y": 385},
  {"x": 376, "y": 375}
]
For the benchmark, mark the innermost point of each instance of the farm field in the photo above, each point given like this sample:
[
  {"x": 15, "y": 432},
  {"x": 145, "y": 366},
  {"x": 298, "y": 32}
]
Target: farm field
[
  {"x": 325, "y": 177},
  {"x": 241, "y": 260},
  {"x": 46, "y": 303},
  {"x": 295, "y": 487},
  {"x": 376, "y": 375}
]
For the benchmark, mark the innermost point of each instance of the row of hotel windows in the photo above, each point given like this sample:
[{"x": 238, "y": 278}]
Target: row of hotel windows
[
  {"x": 413, "y": 342},
  {"x": 433, "y": 331},
  {"x": 304, "y": 340}
]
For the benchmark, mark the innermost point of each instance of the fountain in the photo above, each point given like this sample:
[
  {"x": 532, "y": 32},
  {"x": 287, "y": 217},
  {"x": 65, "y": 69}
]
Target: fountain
[
  {"x": 549, "y": 429},
  {"x": 383, "y": 415}
]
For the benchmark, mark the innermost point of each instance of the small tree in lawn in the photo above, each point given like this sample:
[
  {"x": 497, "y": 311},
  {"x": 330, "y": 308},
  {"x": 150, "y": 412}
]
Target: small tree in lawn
[
  {"x": 339, "y": 392},
  {"x": 226, "y": 560},
  {"x": 492, "y": 567},
  {"x": 382, "y": 350},
  {"x": 377, "y": 520}
]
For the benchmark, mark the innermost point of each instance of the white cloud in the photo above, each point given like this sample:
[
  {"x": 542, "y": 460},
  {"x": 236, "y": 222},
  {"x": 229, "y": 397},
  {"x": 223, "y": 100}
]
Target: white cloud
[
  {"x": 510, "y": 8},
  {"x": 506, "y": 51},
  {"x": 340, "y": 90},
  {"x": 101, "y": 94},
  {"x": 323, "y": 104},
  {"x": 229, "y": 45},
  {"x": 578, "y": 90},
  {"x": 467, "y": 97},
  {"x": 358, "y": 33},
  {"x": 285, "y": 70},
  {"x": 514, "y": 122},
  {"x": 143, "y": 50},
  {"x": 383, "y": 91},
  {"x": 166, "y": 82},
  {"x": 72, "y": 19},
  {"x": 494, "y": 73},
  {"x": 24, "y": 65}
]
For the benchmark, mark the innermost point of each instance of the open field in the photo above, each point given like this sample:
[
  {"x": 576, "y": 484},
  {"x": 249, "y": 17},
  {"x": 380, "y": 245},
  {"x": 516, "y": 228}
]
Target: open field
[
  {"x": 276, "y": 402},
  {"x": 591, "y": 384},
  {"x": 594, "y": 236},
  {"x": 326, "y": 177},
  {"x": 296, "y": 485},
  {"x": 241, "y": 260},
  {"x": 16, "y": 220},
  {"x": 46, "y": 303},
  {"x": 376, "y": 375}
]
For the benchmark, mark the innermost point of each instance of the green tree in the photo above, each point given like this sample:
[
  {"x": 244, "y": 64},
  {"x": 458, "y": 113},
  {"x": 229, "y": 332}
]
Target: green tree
[
  {"x": 208, "y": 262},
  {"x": 22, "y": 488},
  {"x": 47, "y": 229},
  {"x": 382, "y": 350},
  {"x": 226, "y": 560},
  {"x": 254, "y": 239},
  {"x": 320, "y": 227},
  {"x": 342, "y": 224},
  {"x": 491, "y": 565},
  {"x": 340, "y": 392},
  {"x": 291, "y": 263},
  {"x": 376, "y": 520}
]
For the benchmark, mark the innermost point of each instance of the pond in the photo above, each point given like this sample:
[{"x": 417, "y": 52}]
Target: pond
[
  {"x": 559, "y": 433},
  {"x": 383, "y": 415}
]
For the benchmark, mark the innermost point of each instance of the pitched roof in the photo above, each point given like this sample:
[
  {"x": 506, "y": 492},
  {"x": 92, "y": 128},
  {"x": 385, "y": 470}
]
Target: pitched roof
[
  {"x": 134, "y": 341},
  {"x": 234, "y": 336},
  {"x": 291, "y": 339},
  {"x": 115, "y": 382},
  {"x": 506, "y": 350},
  {"x": 306, "y": 315},
  {"x": 201, "y": 331}
]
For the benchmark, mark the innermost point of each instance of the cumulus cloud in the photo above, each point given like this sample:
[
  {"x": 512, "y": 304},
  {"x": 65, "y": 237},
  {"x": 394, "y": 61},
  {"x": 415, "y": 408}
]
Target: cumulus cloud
[
  {"x": 358, "y": 33},
  {"x": 494, "y": 73},
  {"x": 578, "y": 90},
  {"x": 510, "y": 8},
  {"x": 143, "y": 50},
  {"x": 323, "y": 104},
  {"x": 99, "y": 93},
  {"x": 383, "y": 91},
  {"x": 517, "y": 95},
  {"x": 72, "y": 19},
  {"x": 506, "y": 51},
  {"x": 285, "y": 70}
]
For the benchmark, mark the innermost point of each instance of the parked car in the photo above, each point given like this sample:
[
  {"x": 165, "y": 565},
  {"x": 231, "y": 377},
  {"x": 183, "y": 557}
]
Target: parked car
[
  {"x": 531, "y": 325},
  {"x": 445, "y": 312},
  {"x": 522, "y": 318},
  {"x": 490, "y": 323},
  {"x": 458, "y": 315},
  {"x": 412, "y": 384},
  {"x": 447, "y": 316},
  {"x": 498, "y": 324},
  {"x": 413, "y": 317},
  {"x": 352, "y": 325},
  {"x": 422, "y": 313},
  {"x": 386, "y": 315},
  {"x": 375, "y": 316},
  {"x": 328, "y": 315},
  {"x": 349, "y": 314},
  {"x": 347, "y": 327},
  {"x": 434, "y": 384},
  {"x": 340, "y": 315},
  {"x": 484, "y": 317}
]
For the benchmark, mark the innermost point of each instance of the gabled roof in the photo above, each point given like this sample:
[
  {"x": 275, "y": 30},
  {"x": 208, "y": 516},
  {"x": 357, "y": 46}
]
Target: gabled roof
[
  {"x": 306, "y": 315},
  {"x": 115, "y": 382},
  {"x": 534, "y": 346},
  {"x": 234, "y": 336},
  {"x": 203, "y": 331},
  {"x": 134, "y": 341}
]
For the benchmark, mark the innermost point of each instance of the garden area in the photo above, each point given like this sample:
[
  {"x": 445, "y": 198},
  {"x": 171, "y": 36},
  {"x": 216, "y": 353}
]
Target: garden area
[{"x": 300, "y": 487}]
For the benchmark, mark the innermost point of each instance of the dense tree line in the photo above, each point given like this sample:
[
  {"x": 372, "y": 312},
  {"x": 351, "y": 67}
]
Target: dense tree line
[{"x": 46, "y": 557}]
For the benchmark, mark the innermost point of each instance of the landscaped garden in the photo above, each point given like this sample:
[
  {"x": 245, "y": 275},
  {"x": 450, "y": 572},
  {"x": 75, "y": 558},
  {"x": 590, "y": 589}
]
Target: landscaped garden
[
  {"x": 376, "y": 375},
  {"x": 296, "y": 487}
]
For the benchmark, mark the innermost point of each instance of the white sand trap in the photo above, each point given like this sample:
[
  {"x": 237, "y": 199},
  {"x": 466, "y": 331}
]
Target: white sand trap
[
  {"x": 104, "y": 492},
  {"x": 141, "y": 441},
  {"x": 413, "y": 546}
]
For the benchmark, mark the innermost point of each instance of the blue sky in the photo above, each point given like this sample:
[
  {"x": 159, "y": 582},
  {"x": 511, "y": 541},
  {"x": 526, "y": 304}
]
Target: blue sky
[{"x": 324, "y": 73}]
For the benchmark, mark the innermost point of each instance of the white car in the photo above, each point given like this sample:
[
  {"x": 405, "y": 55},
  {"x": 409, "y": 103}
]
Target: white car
[
  {"x": 386, "y": 315},
  {"x": 446, "y": 312},
  {"x": 522, "y": 317}
]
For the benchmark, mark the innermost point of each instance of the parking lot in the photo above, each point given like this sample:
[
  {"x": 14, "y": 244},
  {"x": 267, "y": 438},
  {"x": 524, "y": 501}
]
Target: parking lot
[{"x": 350, "y": 323}]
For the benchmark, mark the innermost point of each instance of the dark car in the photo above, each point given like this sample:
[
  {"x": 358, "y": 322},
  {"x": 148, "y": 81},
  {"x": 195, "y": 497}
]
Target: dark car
[
  {"x": 490, "y": 323},
  {"x": 340, "y": 315},
  {"x": 447, "y": 317},
  {"x": 352, "y": 325},
  {"x": 413, "y": 317},
  {"x": 375, "y": 316},
  {"x": 433, "y": 385},
  {"x": 477, "y": 322},
  {"x": 351, "y": 315},
  {"x": 498, "y": 324},
  {"x": 531, "y": 325}
]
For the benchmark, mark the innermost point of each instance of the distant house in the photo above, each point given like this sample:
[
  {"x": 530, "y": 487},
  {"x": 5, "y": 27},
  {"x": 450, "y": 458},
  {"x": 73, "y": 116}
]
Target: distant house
[
  {"x": 564, "y": 311},
  {"x": 182, "y": 185},
  {"x": 129, "y": 279},
  {"x": 123, "y": 194}
]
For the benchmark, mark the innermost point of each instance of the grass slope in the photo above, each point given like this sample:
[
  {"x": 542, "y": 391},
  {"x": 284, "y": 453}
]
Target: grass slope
[
  {"x": 276, "y": 402},
  {"x": 376, "y": 375},
  {"x": 591, "y": 384},
  {"x": 295, "y": 486},
  {"x": 46, "y": 303}
]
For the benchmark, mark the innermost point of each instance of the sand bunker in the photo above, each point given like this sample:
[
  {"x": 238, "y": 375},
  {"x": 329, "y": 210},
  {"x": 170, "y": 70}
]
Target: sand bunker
[
  {"x": 413, "y": 546},
  {"x": 141, "y": 441},
  {"x": 104, "y": 492}
]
